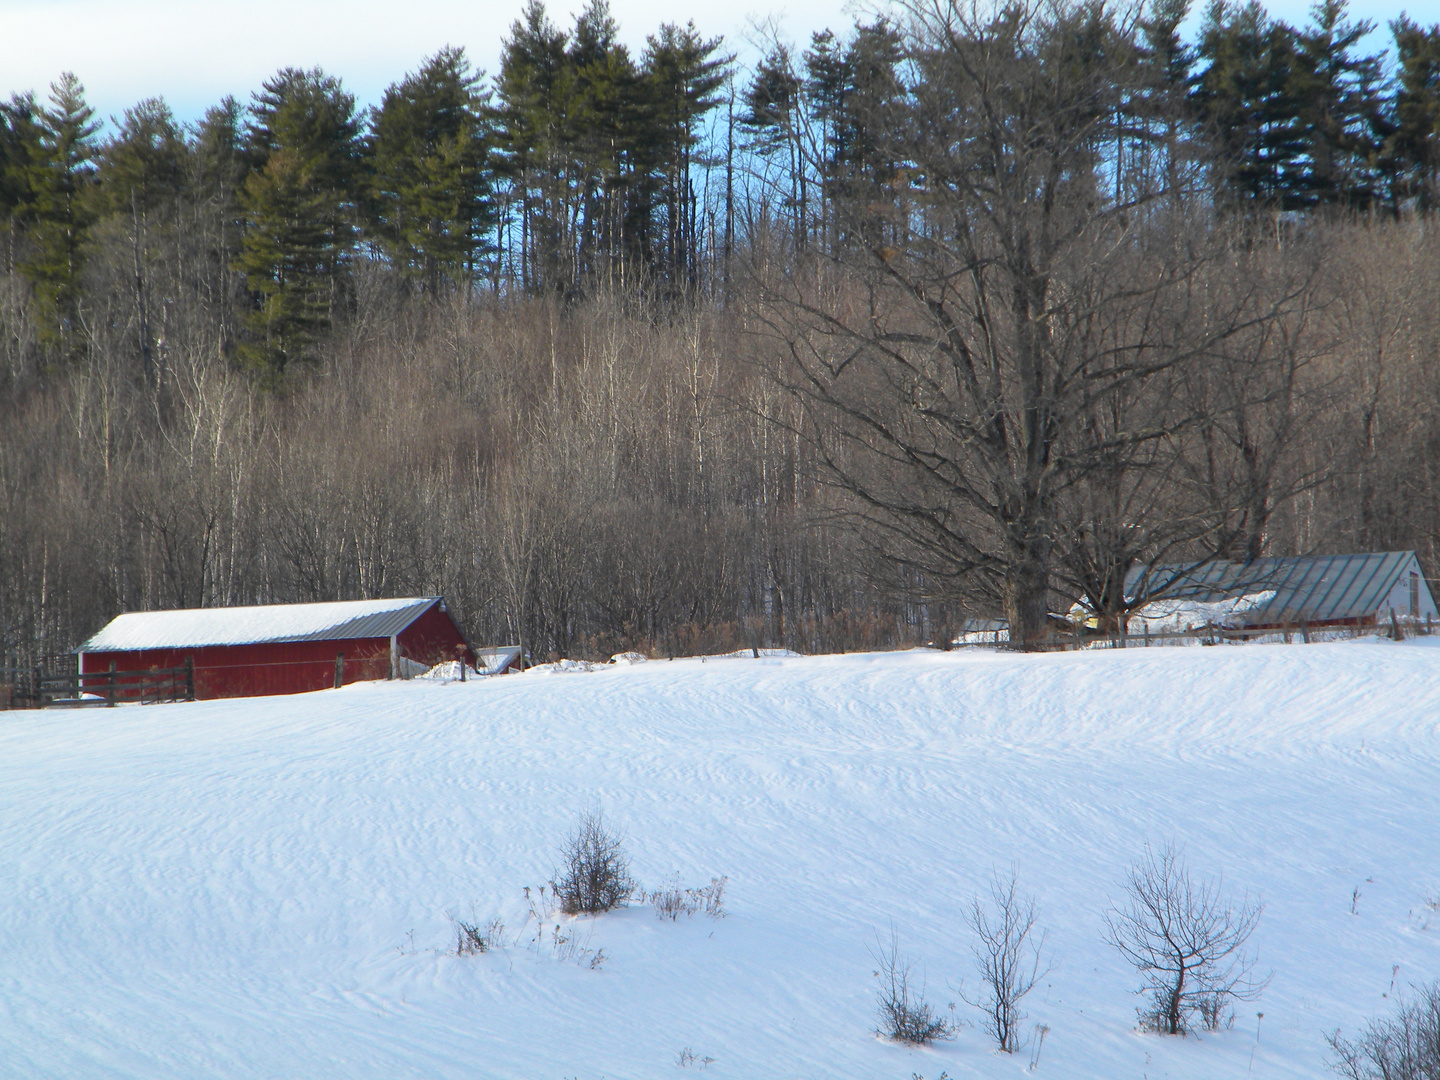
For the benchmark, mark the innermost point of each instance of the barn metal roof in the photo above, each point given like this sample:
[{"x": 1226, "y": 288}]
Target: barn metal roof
[
  {"x": 1314, "y": 588},
  {"x": 197, "y": 627}
]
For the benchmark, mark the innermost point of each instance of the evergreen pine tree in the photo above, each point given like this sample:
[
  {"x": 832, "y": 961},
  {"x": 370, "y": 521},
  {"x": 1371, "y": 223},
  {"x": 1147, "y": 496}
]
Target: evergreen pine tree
[
  {"x": 530, "y": 142},
  {"x": 772, "y": 118},
  {"x": 1161, "y": 113},
  {"x": 217, "y": 171},
  {"x": 142, "y": 171},
  {"x": 1244, "y": 96},
  {"x": 218, "y": 164},
  {"x": 873, "y": 60},
  {"x": 605, "y": 126},
  {"x": 300, "y": 210},
  {"x": 1412, "y": 149},
  {"x": 430, "y": 180},
  {"x": 827, "y": 81},
  {"x": 144, "y": 164},
  {"x": 1340, "y": 107},
  {"x": 683, "y": 73},
  {"x": 19, "y": 153},
  {"x": 59, "y": 209},
  {"x": 865, "y": 165}
]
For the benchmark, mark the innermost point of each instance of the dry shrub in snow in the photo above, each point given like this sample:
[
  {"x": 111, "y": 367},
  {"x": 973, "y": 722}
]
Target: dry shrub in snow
[
  {"x": 595, "y": 873},
  {"x": 672, "y": 901},
  {"x": 471, "y": 939},
  {"x": 905, "y": 1015},
  {"x": 1186, "y": 941},
  {"x": 1405, "y": 1046},
  {"x": 1008, "y": 957},
  {"x": 566, "y": 945}
]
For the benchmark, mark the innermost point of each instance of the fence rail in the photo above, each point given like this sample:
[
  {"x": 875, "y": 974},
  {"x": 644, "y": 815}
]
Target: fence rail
[
  {"x": 1397, "y": 628},
  {"x": 36, "y": 688}
]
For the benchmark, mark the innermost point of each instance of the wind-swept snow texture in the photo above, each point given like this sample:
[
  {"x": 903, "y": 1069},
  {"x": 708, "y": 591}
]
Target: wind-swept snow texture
[{"x": 259, "y": 887}]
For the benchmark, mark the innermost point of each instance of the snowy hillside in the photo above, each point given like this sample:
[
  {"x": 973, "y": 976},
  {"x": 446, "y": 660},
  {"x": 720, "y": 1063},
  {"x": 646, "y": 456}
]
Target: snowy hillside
[{"x": 259, "y": 888}]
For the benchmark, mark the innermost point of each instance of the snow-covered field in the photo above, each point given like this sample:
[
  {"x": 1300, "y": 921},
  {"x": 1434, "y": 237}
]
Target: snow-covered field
[{"x": 259, "y": 888}]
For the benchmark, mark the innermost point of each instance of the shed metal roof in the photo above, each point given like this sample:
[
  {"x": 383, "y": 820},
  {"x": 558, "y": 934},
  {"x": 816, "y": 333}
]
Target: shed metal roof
[
  {"x": 196, "y": 627},
  {"x": 1314, "y": 588},
  {"x": 497, "y": 660}
]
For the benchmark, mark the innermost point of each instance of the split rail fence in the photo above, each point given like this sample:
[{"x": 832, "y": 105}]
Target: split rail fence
[{"x": 35, "y": 688}]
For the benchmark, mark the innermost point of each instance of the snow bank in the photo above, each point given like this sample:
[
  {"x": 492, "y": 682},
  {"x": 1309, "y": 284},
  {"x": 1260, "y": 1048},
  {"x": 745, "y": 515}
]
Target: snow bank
[
  {"x": 564, "y": 667},
  {"x": 259, "y": 887},
  {"x": 750, "y": 654}
]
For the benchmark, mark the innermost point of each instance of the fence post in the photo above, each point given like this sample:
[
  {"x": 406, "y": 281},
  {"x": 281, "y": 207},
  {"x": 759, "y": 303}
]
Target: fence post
[
  {"x": 1304, "y": 632},
  {"x": 460, "y": 658},
  {"x": 37, "y": 687},
  {"x": 1395, "y": 634},
  {"x": 189, "y": 678},
  {"x": 110, "y": 686},
  {"x": 339, "y": 670}
]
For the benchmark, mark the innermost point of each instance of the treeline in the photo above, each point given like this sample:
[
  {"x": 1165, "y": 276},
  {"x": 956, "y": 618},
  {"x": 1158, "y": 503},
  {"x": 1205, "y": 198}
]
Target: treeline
[
  {"x": 955, "y": 313},
  {"x": 580, "y": 166}
]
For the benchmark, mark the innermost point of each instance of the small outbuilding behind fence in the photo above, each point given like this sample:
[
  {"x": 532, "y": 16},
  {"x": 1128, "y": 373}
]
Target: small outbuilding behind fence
[{"x": 277, "y": 648}]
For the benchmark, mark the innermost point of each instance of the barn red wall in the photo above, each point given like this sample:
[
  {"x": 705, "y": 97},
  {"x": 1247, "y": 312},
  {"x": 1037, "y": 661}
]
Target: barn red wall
[
  {"x": 289, "y": 667},
  {"x": 292, "y": 667},
  {"x": 431, "y": 639}
]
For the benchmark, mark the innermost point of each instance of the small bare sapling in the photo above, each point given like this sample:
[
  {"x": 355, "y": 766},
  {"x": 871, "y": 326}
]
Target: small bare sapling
[
  {"x": 1188, "y": 943},
  {"x": 595, "y": 871},
  {"x": 905, "y": 1015},
  {"x": 1007, "y": 955}
]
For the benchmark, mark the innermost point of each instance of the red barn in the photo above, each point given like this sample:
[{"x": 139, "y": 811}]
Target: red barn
[{"x": 279, "y": 648}]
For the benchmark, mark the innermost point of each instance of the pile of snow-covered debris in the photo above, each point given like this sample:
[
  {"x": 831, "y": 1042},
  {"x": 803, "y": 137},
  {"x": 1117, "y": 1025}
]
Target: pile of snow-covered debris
[
  {"x": 571, "y": 667},
  {"x": 1179, "y": 616},
  {"x": 449, "y": 671}
]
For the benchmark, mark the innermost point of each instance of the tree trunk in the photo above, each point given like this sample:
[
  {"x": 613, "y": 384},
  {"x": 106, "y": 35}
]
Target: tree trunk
[
  {"x": 1172, "y": 1011},
  {"x": 1027, "y": 603}
]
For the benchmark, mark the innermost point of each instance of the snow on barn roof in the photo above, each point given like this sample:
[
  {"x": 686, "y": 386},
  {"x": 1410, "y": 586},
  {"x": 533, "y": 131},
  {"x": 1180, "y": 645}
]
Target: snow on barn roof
[
  {"x": 196, "y": 627},
  {"x": 1320, "y": 588}
]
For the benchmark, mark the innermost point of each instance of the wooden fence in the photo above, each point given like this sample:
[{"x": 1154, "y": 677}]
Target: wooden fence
[
  {"x": 36, "y": 688},
  {"x": 1397, "y": 628}
]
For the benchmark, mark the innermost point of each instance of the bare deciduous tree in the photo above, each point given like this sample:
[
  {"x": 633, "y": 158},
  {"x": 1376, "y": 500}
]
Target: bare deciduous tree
[
  {"x": 963, "y": 359},
  {"x": 1007, "y": 956},
  {"x": 1188, "y": 943},
  {"x": 595, "y": 876}
]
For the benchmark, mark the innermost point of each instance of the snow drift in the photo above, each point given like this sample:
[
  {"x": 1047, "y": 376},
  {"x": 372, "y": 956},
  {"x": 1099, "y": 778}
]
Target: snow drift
[{"x": 260, "y": 887}]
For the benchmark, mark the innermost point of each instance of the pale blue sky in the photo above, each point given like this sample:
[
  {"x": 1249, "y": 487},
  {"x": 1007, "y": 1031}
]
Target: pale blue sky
[{"x": 193, "y": 52}]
